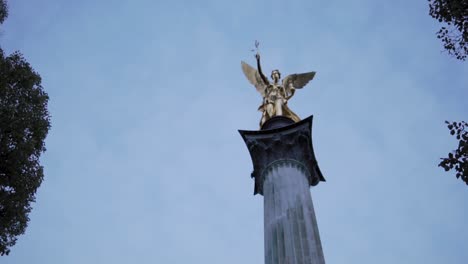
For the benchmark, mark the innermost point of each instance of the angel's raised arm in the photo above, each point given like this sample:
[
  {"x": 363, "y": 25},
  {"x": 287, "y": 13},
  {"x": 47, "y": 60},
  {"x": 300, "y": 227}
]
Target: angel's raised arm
[{"x": 265, "y": 80}]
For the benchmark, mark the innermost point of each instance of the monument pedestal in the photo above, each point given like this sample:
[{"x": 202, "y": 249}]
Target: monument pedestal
[{"x": 284, "y": 169}]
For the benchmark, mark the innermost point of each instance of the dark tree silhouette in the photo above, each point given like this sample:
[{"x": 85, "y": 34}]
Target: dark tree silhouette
[
  {"x": 3, "y": 11},
  {"x": 458, "y": 159},
  {"x": 454, "y": 35},
  {"x": 24, "y": 123}
]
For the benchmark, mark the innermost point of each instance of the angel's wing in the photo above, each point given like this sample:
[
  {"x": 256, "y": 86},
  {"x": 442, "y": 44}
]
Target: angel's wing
[
  {"x": 254, "y": 78},
  {"x": 297, "y": 81}
]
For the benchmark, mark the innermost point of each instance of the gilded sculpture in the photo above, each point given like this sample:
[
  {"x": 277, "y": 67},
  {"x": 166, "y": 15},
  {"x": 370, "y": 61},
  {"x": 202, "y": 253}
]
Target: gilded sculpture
[{"x": 275, "y": 95}]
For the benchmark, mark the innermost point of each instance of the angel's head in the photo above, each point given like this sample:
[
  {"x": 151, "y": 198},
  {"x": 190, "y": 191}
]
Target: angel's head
[{"x": 275, "y": 75}]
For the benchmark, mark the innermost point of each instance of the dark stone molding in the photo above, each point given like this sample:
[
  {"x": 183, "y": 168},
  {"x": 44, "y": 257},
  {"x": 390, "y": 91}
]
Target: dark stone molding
[{"x": 290, "y": 142}]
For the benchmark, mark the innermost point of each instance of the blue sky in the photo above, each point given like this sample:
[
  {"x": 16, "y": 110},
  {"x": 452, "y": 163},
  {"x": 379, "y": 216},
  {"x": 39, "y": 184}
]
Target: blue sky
[{"x": 144, "y": 163}]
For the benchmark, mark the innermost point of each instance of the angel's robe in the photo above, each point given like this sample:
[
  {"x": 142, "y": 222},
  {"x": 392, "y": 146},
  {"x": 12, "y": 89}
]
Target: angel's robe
[{"x": 274, "y": 96}]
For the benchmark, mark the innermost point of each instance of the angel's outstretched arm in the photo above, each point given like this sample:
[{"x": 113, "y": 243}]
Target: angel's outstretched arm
[
  {"x": 265, "y": 80},
  {"x": 292, "y": 91}
]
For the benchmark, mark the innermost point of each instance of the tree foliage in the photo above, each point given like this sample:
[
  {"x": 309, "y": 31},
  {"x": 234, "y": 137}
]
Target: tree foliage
[
  {"x": 24, "y": 124},
  {"x": 454, "y": 14},
  {"x": 3, "y": 11},
  {"x": 458, "y": 159}
]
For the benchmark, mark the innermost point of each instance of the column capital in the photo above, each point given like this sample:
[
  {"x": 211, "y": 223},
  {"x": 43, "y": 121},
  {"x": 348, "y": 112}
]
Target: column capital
[{"x": 282, "y": 143}]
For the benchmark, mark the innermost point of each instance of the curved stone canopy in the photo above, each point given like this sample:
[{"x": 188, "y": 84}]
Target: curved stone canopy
[{"x": 282, "y": 142}]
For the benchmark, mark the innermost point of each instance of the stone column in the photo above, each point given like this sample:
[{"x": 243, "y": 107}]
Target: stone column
[{"x": 284, "y": 169}]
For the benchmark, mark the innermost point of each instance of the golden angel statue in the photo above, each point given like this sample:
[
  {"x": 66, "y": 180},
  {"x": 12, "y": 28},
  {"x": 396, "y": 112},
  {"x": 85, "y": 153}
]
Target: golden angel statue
[{"x": 275, "y": 96}]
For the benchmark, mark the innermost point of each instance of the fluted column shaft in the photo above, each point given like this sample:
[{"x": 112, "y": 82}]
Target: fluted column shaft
[{"x": 291, "y": 232}]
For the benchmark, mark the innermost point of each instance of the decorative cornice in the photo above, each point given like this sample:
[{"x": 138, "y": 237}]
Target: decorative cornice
[{"x": 292, "y": 142}]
